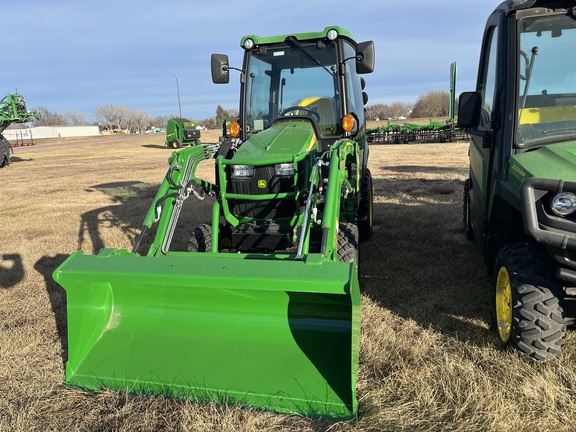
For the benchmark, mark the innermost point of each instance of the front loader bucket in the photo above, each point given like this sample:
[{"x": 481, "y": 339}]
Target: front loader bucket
[{"x": 273, "y": 333}]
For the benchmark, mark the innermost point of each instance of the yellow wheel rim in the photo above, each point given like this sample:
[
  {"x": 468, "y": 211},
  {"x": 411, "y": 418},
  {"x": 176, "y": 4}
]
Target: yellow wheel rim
[{"x": 503, "y": 304}]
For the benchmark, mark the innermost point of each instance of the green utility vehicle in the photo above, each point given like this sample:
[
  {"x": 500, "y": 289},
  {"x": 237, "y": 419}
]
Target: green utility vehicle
[
  {"x": 520, "y": 199},
  {"x": 263, "y": 308},
  {"x": 181, "y": 132},
  {"x": 12, "y": 110}
]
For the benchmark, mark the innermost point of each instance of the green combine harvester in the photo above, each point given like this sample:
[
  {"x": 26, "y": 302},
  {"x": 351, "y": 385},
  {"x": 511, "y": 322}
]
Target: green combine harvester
[
  {"x": 12, "y": 110},
  {"x": 263, "y": 306}
]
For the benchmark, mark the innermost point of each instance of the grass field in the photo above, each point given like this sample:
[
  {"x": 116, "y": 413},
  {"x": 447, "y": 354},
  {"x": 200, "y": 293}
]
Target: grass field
[{"x": 428, "y": 361}]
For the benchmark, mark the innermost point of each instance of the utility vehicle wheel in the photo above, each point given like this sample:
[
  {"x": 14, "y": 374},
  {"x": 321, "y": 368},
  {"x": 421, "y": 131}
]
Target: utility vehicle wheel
[
  {"x": 176, "y": 144},
  {"x": 366, "y": 208},
  {"x": 467, "y": 225},
  {"x": 528, "y": 314},
  {"x": 347, "y": 247},
  {"x": 201, "y": 240}
]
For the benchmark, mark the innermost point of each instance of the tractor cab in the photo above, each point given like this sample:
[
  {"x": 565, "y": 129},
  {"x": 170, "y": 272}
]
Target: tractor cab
[{"x": 311, "y": 77}]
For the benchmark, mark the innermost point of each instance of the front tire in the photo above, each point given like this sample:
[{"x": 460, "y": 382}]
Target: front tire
[
  {"x": 201, "y": 240},
  {"x": 527, "y": 311},
  {"x": 347, "y": 247}
]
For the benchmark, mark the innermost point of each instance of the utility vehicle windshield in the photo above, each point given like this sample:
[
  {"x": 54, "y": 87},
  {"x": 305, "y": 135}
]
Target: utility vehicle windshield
[
  {"x": 547, "y": 72},
  {"x": 293, "y": 79}
]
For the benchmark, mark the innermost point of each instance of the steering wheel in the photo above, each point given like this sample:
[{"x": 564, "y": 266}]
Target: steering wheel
[{"x": 309, "y": 111}]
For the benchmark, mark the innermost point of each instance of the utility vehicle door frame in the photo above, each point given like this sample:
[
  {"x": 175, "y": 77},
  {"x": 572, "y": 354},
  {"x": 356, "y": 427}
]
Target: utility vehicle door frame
[{"x": 484, "y": 138}]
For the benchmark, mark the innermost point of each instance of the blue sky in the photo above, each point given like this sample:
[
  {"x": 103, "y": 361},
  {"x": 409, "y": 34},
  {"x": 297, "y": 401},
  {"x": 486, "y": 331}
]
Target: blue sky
[{"x": 78, "y": 54}]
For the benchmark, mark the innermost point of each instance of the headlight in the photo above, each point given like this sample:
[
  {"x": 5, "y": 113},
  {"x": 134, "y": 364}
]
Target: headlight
[
  {"x": 284, "y": 169},
  {"x": 242, "y": 171},
  {"x": 564, "y": 204},
  {"x": 248, "y": 44}
]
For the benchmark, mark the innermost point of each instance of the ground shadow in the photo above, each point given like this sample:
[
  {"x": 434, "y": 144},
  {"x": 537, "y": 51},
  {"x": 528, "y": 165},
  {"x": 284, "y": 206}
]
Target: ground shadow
[
  {"x": 131, "y": 201},
  {"x": 419, "y": 264},
  {"x": 16, "y": 159},
  {"x": 153, "y": 146},
  {"x": 45, "y": 266},
  {"x": 11, "y": 270}
]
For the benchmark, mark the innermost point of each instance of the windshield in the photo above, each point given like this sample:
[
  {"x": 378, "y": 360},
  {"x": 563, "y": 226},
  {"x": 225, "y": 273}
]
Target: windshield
[
  {"x": 293, "y": 79},
  {"x": 547, "y": 72}
]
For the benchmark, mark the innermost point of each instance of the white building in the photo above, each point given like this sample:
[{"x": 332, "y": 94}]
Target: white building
[{"x": 40, "y": 132}]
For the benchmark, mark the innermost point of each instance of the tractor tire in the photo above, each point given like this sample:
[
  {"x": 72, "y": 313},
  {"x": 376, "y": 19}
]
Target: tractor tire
[
  {"x": 5, "y": 149},
  {"x": 176, "y": 144},
  {"x": 365, "y": 215},
  {"x": 528, "y": 315},
  {"x": 466, "y": 223},
  {"x": 347, "y": 247},
  {"x": 201, "y": 240}
]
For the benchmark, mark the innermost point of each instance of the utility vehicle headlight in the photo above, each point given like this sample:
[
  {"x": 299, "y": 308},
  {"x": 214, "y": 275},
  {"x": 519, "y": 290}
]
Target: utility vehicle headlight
[
  {"x": 564, "y": 204},
  {"x": 242, "y": 171},
  {"x": 284, "y": 169}
]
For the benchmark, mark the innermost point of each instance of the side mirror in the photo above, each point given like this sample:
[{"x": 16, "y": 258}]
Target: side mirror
[
  {"x": 365, "y": 57},
  {"x": 365, "y": 97},
  {"x": 469, "y": 107},
  {"x": 220, "y": 70}
]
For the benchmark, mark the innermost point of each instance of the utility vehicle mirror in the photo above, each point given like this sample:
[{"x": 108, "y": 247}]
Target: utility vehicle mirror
[
  {"x": 469, "y": 106},
  {"x": 220, "y": 69},
  {"x": 365, "y": 57}
]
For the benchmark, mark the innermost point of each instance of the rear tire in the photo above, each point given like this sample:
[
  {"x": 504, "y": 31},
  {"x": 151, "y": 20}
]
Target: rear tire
[
  {"x": 467, "y": 224},
  {"x": 527, "y": 310},
  {"x": 201, "y": 240},
  {"x": 366, "y": 208},
  {"x": 176, "y": 144},
  {"x": 347, "y": 247}
]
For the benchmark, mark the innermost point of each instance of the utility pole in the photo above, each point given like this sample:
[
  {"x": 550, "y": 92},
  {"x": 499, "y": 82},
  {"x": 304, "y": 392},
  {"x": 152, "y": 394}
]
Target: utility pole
[{"x": 178, "y": 92}]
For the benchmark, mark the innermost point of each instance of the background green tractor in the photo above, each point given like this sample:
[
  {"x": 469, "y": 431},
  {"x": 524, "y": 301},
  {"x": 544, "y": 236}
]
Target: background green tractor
[
  {"x": 181, "y": 132},
  {"x": 12, "y": 110},
  {"x": 520, "y": 199},
  {"x": 263, "y": 305}
]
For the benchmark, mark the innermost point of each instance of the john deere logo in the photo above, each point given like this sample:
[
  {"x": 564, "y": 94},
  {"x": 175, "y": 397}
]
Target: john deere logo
[{"x": 262, "y": 184}]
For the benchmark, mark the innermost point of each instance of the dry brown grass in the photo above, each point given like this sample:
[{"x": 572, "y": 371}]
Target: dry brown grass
[{"x": 428, "y": 361}]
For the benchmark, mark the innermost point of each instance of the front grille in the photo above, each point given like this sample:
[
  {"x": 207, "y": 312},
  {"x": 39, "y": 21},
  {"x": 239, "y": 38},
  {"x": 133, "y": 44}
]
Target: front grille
[{"x": 263, "y": 182}]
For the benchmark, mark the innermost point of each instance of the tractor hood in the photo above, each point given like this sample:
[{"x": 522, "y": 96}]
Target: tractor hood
[
  {"x": 554, "y": 161},
  {"x": 281, "y": 142}
]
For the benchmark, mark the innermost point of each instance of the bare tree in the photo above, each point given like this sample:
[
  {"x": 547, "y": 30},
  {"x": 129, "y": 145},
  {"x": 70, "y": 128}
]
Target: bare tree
[
  {"x": 75, "y": 118},
  {"x": 49, "y": 118},
  {"x": 433, "y": 104},
  {"x": 112, "y": 117}
]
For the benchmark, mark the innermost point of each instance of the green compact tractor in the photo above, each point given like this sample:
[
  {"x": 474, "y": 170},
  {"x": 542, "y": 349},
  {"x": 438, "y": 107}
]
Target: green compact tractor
[
  {"x": 181, "y": 132},
  {"x": 262, "y": 307},
  {"x": 12, "y": 110},
  {"x": 520, "y": 198}
]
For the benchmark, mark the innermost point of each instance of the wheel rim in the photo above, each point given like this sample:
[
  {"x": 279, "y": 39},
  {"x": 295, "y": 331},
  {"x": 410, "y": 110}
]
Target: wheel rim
[{"x": 503, "y": 304}]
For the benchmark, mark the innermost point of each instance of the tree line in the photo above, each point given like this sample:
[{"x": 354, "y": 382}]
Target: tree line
[{"x": 111, "y": 117}]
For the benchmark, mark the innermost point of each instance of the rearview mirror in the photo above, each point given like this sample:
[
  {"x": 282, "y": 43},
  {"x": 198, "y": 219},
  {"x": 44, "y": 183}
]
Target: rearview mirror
[
  {"x": 220, "y": 70},
  {"x": 469, "y": 105},
  {"x": 365, "y": 57}
]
